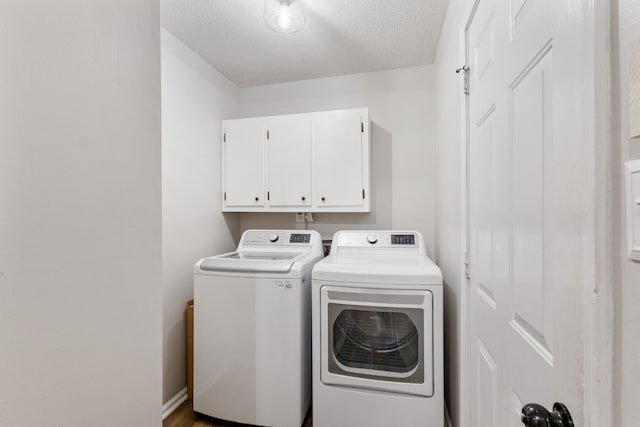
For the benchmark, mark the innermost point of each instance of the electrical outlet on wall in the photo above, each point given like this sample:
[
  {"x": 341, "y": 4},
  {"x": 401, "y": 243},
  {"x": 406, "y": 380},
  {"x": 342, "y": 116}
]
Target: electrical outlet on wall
[
  {"x": 632, "y": 172},
  {"x": 299, "y": 216}
]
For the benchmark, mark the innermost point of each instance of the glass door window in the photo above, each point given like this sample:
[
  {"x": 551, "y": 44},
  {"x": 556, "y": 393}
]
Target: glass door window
[{"x": 376, "y": 342}]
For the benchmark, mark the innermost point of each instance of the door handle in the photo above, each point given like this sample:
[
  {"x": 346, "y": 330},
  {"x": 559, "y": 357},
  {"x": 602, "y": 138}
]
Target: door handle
[{"x": 534, "y": 415}]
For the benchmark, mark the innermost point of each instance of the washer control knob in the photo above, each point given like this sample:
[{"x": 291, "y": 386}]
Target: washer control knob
[
  {"x": 273, "y": 237},
  {"x": 371, "y": 238}
]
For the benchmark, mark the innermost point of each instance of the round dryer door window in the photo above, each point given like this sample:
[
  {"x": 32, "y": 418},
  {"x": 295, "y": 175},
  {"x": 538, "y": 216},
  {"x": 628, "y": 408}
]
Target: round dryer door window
[{"x": 377, "y": 342}]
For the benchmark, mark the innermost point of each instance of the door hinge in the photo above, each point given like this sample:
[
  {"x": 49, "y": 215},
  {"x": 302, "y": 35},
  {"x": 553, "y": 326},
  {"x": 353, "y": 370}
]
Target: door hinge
[
  {"x": 267, "y": 133},
  {"x": 224, "y": 138},
  {"x": 465, "y": 72},
  {"x": 467, "y": 265},
  {"x": 361, "y": 127},
  {"x": 225, "y": 196},
  {"x": 363, "y": 194},
  {"x": 268, "y": 195}
]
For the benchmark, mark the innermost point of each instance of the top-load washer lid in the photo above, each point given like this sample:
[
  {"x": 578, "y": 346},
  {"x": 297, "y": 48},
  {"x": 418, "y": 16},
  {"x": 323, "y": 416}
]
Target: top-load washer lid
[
  {"x": 254, "y": 262},
  {"x": 267, "y": 251}
]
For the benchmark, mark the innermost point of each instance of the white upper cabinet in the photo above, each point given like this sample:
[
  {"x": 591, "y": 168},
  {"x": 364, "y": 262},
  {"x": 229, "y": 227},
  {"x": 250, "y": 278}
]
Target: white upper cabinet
[
  {"x": 243, "y": 149},
  {"x": 289, "y": 162},
  {"x": 313, "y": 162},
  {"x": 339, "y": 160}
]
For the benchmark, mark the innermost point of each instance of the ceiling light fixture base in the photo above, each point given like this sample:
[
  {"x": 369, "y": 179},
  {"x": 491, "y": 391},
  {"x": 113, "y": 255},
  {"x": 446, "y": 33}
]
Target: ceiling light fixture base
[{"x": 284, "y": 16}]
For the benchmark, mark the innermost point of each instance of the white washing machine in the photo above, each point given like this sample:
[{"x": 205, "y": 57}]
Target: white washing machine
[
  {"x": 377, "y": 333},
  {"x": 252, "y": 329}
]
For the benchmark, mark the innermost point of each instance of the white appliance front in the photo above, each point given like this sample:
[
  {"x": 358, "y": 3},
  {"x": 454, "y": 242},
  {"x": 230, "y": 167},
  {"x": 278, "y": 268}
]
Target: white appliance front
[
  {"x": 254, "y": 333},
  {"x": 252, "y": 329},
  {"x": 378, "y": 394},
  {"x": 377, "y": 339},
  {"x": 377, "y": 333}
]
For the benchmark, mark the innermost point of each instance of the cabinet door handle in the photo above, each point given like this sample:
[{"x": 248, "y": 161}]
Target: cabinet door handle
[
  {"x": 257, "y": 198},
  {"x": 322, "y": 198},
  {"x": 304, "y": 198}
]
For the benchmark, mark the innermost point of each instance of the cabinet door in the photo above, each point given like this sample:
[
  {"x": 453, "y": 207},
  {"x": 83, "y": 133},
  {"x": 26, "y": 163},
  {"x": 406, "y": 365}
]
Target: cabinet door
[
  {"x": 339, "y": 155},
  {"x": 289, "y": 163},
  {"x": 244, "y": 159}
]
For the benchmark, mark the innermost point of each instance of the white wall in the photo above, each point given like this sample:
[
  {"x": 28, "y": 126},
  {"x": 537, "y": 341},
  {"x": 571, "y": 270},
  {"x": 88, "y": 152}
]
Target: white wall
[
  {"x": 195, "y": 97},
  {"x": 626, "y": 30},
  {"x": 80, "y": 213},
  {"x": 402, "y": 144}
]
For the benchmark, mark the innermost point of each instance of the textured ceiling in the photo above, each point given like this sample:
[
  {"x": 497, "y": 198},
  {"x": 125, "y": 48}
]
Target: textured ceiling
[{"x": 340, "y": 37}]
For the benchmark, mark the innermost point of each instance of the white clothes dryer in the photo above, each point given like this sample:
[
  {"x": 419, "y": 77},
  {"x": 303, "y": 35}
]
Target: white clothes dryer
[
  {"x": 377, "y": 333},
  {"x": 252, "y": 329}
]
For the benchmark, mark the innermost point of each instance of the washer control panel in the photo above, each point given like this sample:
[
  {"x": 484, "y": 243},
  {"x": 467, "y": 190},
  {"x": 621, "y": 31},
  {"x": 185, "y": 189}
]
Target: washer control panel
[{"x": 276, "y": 238}]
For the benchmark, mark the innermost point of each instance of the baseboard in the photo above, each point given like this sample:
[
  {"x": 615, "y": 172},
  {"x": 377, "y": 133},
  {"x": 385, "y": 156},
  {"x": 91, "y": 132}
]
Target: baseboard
[
  {"x": 447, "y": 418},
  {"x": 174, "y": 402},
  {"x": 181, "y": 396}
]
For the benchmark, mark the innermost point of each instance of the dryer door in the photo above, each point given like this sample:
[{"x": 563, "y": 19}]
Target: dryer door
[{"x": 377, "y": 339}]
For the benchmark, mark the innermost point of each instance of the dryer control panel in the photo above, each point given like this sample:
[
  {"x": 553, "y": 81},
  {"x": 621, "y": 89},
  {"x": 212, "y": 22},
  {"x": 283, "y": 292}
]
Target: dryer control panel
[{"x": 379, "y": 240}]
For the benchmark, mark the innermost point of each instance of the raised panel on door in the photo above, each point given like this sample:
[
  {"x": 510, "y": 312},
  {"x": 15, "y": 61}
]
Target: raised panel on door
[
  {"x": 486, "y": 384},
  {"x": 534, "y": 289},
  {"x": 244, "y": 160},
  {"x": 482, "y": 182},
  {"x": 338, "y": 161},
  {"x": 530, "y": 117},
  {"x": 289, "y": 163}
]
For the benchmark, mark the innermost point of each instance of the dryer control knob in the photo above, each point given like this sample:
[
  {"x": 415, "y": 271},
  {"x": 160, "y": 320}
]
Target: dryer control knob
[
  {"x": 371, "y": 238},
  {"x": 273, "y": 237}
]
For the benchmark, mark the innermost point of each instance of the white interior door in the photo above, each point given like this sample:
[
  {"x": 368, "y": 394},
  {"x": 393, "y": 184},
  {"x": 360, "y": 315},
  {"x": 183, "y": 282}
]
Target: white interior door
[{"x": 527, "y": 218}]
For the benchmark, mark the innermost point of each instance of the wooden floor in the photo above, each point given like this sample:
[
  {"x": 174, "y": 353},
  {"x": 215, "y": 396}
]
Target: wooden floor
[{"x": 184, "y": 417}]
